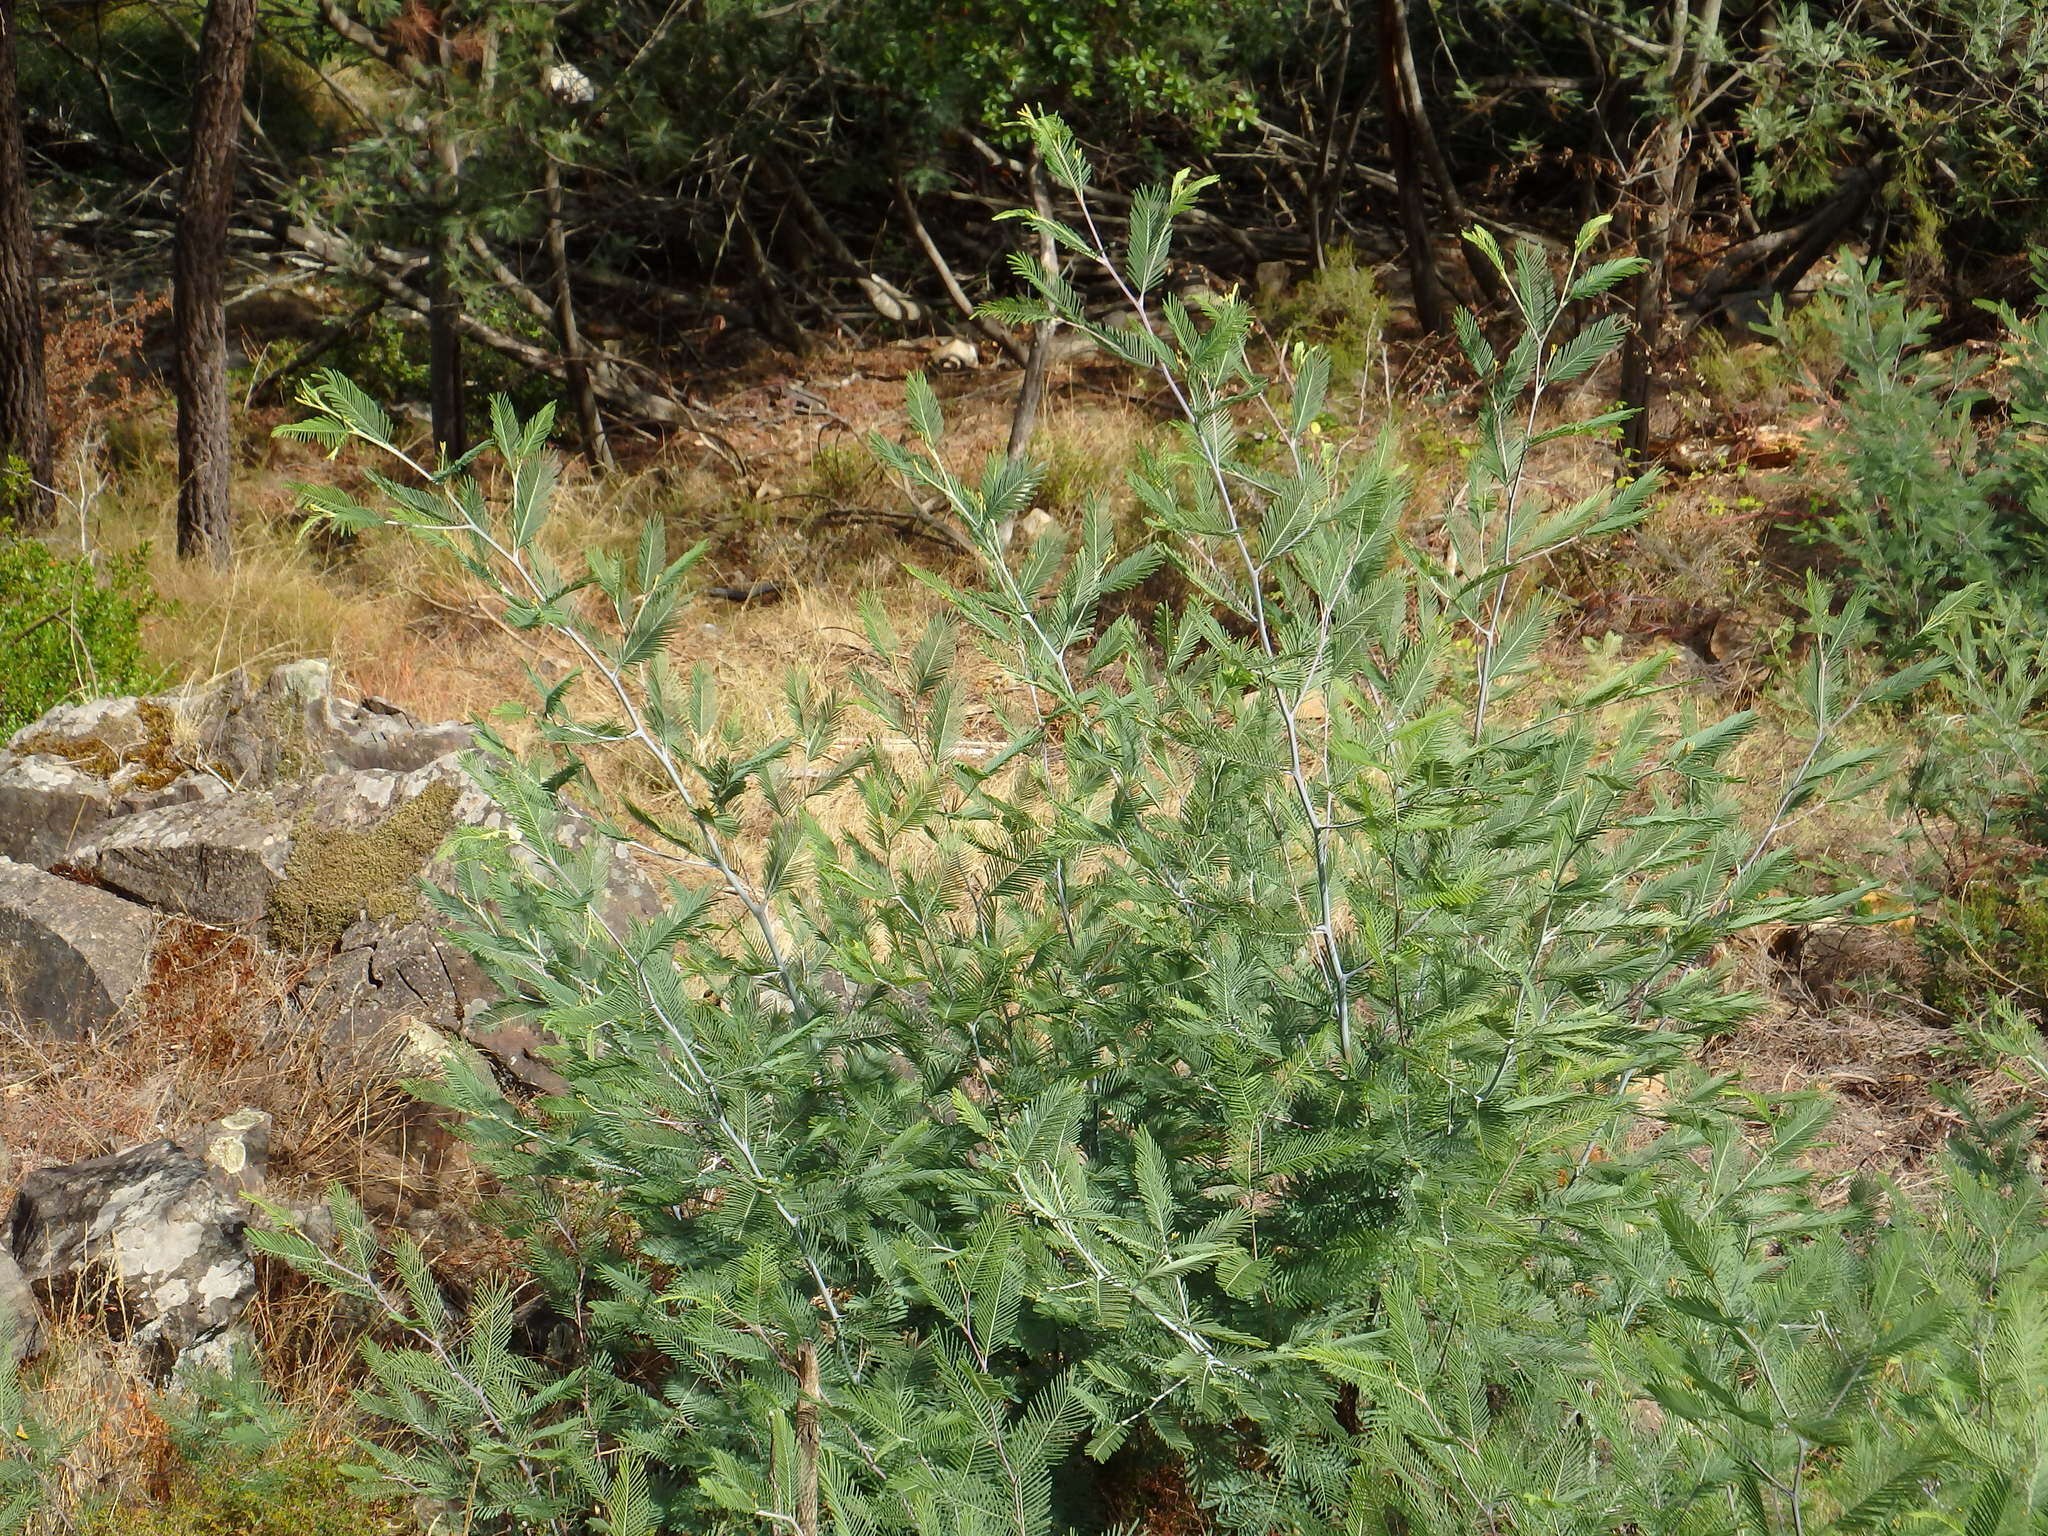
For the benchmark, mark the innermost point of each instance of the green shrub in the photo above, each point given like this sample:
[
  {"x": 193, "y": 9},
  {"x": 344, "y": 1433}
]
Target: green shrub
[
  {"x": 387, "y": 355},
  {"x": 1929, "y": 502},
  {"x": 1237, "y": 1073},
  {"x": 1339, "y": 308},
  {"x": 1977, "y": 790},
  {"x": 30, "y": 1450},
  {"x": 71, "y": 628},
  {"x": 1942, "y": 496}
]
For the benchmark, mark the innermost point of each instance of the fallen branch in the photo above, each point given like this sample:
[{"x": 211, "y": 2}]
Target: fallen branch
[
  {"x": 883, "y": 296},
  {"x": 340, "y": 254},
  {"x": 915, "y": 521},
  {"x": 1807, "y": 241},
  {"x": 998, "y": 334},
  {"x": 748, "y": 592}
]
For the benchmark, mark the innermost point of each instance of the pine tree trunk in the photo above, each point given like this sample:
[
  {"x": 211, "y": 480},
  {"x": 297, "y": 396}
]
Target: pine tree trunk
[
  {"x": 1321, "y": 209},
  {"x": 445, "y": 394},
  {"x": 1408, "y": 173},
  {"x": 447, "y": 399},
  {"x": 1484, "y": 278},
  {"x": 1031, "y": 392},
  {"x": 596, "y": 447},
  {"x": 205, "y": 431},
  {"x": 24, "y": 403}
]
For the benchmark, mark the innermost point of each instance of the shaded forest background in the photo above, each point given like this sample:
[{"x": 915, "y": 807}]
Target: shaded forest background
[{"x": 613, "y": 200}]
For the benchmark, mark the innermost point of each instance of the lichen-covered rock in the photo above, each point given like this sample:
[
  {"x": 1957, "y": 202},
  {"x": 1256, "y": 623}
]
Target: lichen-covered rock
[
  {"x": 234, "y": 733},
  {"x": 48, "y": 807},
  {"x": 237, "y": 1148},
  {"x": 361, "y": 799},
  {"x": 364, "y": 840},
  {"x": 107, "y": 729},
  {"x": 71, "y": 957},
  {"x": 153, "y": 1234},
  {"x": 277, "y": 804},
  {"x": 216, "y": 861},
  {"x": 372, "y": 734},
  {"x": 21, "y": 1320}
]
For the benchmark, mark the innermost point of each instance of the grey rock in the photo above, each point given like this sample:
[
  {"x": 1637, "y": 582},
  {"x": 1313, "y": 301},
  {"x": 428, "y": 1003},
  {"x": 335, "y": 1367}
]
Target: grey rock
[
  {"x": 183, "y": 790},
  {"x": 71, "y": 957},
  {"x": 237, "y": 1148},
  {"x": 214, "y": 860},
  {"x": 361, "y": 801},
  {"x": 116, "y": 724},
  {"x": 155, "y": 1232},
  {"x": 48, "y": 807},
  {"x": 231, "y": 734},
  {"x": 405, "y": 998},
  {"x": 372, "y": 734},
  {"x": 21, "y": 1320},
  {"x": 387, "y": 976},
  {"x": 358, "y": 800},
  {"x": 363, "y": 840}
]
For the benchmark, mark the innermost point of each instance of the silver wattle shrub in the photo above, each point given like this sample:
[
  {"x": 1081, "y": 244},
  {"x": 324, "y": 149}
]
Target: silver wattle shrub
[{"x": 1232, "y": 1079}]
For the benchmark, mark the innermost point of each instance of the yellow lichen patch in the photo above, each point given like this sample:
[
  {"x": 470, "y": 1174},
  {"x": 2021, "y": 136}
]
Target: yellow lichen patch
[
  {"x": 335, "y": 876},
  {"x": 285, "y": 719},
  {"x": 158, "y": 757}
]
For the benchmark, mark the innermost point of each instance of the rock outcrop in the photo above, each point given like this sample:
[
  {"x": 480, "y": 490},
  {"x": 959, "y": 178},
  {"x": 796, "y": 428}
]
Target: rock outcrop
[
  {"x": 21, "y": 1320},
  {"x": 301, "y": 820},
  {"x": 71, "y": 956},
  {"x": 215, "y": 861},
  {"x": 152, "y": 1238}
]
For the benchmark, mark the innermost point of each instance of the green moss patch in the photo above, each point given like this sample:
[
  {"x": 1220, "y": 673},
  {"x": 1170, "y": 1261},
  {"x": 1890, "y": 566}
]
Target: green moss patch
[
  {"x": 292, "y": 1491},
  {"x": 157, "y": 755},
  {"x": 333, "y": 877}
]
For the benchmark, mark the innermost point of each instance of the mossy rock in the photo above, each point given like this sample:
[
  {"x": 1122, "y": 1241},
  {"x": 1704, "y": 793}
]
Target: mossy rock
[
  {"x": 336, "y": 876},
  {"x": 157, "y": 759}
]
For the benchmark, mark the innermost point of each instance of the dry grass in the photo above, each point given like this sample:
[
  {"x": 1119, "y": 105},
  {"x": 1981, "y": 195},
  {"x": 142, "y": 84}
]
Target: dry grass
[{"x": 208, "y": 1034}]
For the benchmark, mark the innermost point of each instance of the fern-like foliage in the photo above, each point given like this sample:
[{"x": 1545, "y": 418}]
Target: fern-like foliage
[{"x": 1233, "y": 1068}]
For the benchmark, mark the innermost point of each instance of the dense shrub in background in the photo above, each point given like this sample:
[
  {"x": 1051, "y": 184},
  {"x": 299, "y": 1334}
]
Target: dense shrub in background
[
  {"x": 1941, "y": 496},
  {"x": 1260, "y": 1070},
  {"x": 1930, "y": 500},
  {"x": 69, "y": 627}
]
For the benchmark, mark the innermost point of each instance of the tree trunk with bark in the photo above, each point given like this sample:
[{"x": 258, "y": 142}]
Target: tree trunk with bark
[
  {"x": 1408, "y": 172},
  {"x": 596, "y": 447},
  {"x": 1484, "y": 277},
  {"x": 1031, "y": 391},
  {"x": 447, "y": 399},
  {"x": 1323, "y": 188},
  {"x": 205, "y": 430},
  {"x": 1668, "y": 217},
  {"x": 24, "y": 402}
]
